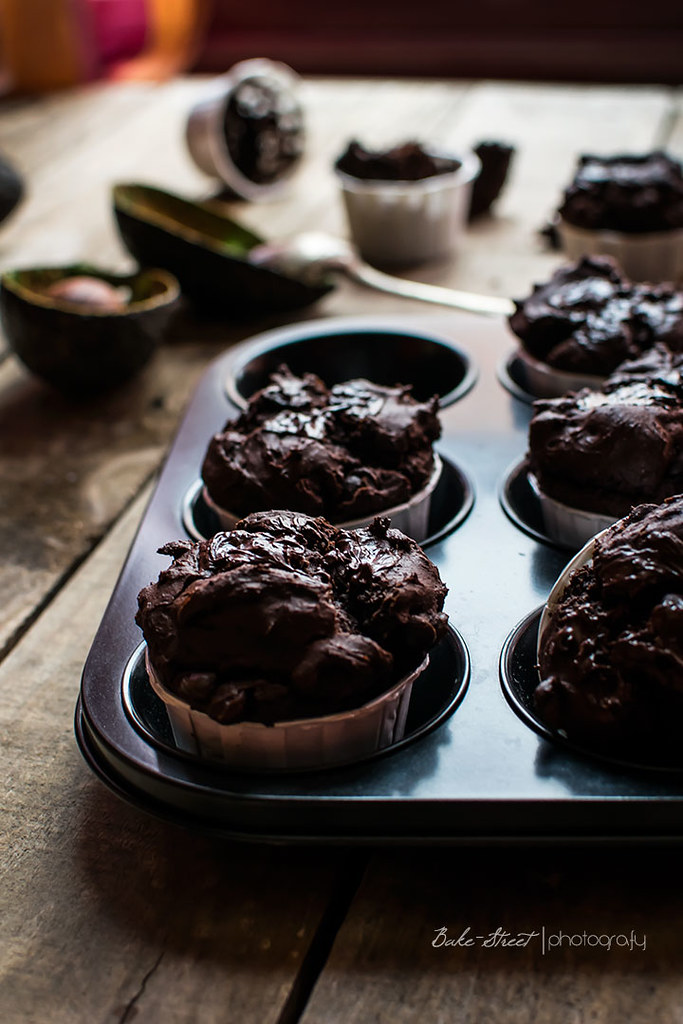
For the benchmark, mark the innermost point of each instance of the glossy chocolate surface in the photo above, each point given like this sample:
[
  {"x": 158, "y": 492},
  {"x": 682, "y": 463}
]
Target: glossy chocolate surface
[
  {"x": 589, "y": 318},
  {"x": 286, "y": 617},
  {"x": 611, "y": 657},
  {"x": 610, "y": 449},
  {"x": 344, "y": 452},
  {"x": 629, "y": 193}
]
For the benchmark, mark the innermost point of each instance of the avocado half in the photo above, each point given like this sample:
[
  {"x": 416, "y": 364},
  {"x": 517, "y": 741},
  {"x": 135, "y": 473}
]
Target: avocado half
[
  {"x": 207, "y": 252},
  {"x": 77, "y": 347}
]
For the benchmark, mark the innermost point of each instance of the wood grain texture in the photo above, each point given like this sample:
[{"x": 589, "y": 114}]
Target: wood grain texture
[
  {"x": 108, "y": 914},
  {"x": 384, "y": 968}
]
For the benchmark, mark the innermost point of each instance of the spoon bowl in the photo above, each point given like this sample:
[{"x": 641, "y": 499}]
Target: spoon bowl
[{"x": 313, "y": 255}]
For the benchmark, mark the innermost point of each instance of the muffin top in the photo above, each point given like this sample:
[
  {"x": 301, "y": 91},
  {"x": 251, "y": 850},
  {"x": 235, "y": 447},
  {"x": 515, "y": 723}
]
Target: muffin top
[
  {"x": 344, "y": 452},
  {"x": 607, "y": 450},
  {"x": 611, "y": 657},
  {"x": 633, "y": 194},
  {"x": 408, "y": 162},
  {"x": 287, "y": 616},
  {"x": 589, "y": 317}
]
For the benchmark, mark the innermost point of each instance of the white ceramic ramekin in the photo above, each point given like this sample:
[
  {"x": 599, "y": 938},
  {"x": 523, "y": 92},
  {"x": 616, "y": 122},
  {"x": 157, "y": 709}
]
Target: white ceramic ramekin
[
  {"x": 648, "y": 257},
  {"x": 289, "y": 746},
  {"x": 409, "y": 222},
  {"x": 411, "y": 518},
  {"x": 571, "y": 526},
  {"x": 205, "y": 134},
  {"x": 546, "y": 381}
]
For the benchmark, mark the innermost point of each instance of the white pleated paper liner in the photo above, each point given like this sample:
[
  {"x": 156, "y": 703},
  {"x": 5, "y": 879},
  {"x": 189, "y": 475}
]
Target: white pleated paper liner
[
  {"x": 571, "y": 527},
  {"x": 288, "y": 746},
  {"x": 411, "y": 517},
  {"x": 544, "y": 381},
  {"x": 655, "y": 257}
]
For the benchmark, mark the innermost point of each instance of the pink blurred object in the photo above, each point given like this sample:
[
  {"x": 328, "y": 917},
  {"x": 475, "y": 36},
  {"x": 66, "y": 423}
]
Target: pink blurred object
[{"x": 119, "y": 29}]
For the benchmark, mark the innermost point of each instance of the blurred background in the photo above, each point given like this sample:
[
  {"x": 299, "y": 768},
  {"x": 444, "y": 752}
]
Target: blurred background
[{"x": 48, "y": 44}]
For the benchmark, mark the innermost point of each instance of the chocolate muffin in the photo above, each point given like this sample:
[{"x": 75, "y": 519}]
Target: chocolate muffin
[
  {"x": 344, "y": 452},
  {"x": 606, "y": 450},
  {"x": 611, "y": 654},
  {"x": 588, "y": 318},
  {"x": 626, "y": 193},
  {"x": 288, "y": 617}
]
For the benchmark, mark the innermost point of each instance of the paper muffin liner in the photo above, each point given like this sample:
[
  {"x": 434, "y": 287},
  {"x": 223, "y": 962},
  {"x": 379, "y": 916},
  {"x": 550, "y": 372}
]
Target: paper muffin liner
[
  {"x": 643, "y": 257},
  {"x": 546, "y": 381},
  {"x": 412, "y": 517},
  {"x": 571, "y": 526},
  {"x": 583, "y": 557},
  {"x": 404, "y": 222},
  {"x": 287, "y": 746}
]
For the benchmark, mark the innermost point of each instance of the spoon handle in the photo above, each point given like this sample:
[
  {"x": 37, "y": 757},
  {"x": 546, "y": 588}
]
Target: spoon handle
[{"x": 486, "y": 304}]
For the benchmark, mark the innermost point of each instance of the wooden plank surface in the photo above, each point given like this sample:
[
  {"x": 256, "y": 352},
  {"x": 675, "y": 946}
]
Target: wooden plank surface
[
  {"x": 110, "y": 915},
  {"x": 391, "y": 964}
]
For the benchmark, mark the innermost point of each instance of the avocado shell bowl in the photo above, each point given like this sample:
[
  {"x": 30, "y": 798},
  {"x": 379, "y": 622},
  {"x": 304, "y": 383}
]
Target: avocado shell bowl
[
  {"x": 207, "y": 252},
  {"x": 87, "y": 342}
]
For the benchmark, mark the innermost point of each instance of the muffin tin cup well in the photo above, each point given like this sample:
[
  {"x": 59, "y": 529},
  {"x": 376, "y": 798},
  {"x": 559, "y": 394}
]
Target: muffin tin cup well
[
  {"x": 411, "y": 517},
  {"x": 428, "y": 361},
  {"x": 306, "y": 743}
]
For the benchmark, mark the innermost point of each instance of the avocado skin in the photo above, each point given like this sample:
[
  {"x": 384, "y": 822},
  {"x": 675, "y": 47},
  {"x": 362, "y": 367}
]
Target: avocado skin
[
  {"x": 221, "y": 284},
  {"x": 11, "y": 189},
  {"x": 78, "y": 353}
]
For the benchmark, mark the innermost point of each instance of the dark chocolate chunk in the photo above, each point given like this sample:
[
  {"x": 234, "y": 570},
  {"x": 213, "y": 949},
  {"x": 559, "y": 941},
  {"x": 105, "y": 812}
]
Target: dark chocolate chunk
[{"x": 495, "y": 160}]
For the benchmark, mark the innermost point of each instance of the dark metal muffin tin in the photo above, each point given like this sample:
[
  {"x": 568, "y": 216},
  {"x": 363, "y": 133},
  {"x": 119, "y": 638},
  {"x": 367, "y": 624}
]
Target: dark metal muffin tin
[{"x": 474, "y": 766}]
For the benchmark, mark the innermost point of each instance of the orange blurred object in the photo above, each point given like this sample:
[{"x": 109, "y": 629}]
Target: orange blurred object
[
  {"x": 45, "y": 44},
  {"x": 175, "y": 32},
  {"x": 52, "y": 44}
]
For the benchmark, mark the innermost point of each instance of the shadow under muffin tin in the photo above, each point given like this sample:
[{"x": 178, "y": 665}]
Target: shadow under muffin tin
[{"x": 475, "y": 763}]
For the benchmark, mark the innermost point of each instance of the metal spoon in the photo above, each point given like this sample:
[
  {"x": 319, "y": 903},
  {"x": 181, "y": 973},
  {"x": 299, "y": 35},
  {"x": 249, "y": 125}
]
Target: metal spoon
[{"x": 312, "y": 255}]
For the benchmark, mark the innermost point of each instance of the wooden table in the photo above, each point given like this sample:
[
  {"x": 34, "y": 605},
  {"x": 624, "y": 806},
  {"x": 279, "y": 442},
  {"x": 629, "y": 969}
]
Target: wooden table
[{"x": 111, "y": 915}]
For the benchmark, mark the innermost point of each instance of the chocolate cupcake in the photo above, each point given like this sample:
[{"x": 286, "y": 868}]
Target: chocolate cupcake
[
  {"x": 595, "y": 454},
  {"x": 579, "y": 326},
  {"x": 610, "y": 646},
  {"x": 346, "y": 453},
  {"x": 630, "y": 207},
  {"x": 408, "y": 204},
  {"x": 288, "y": 642}
]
